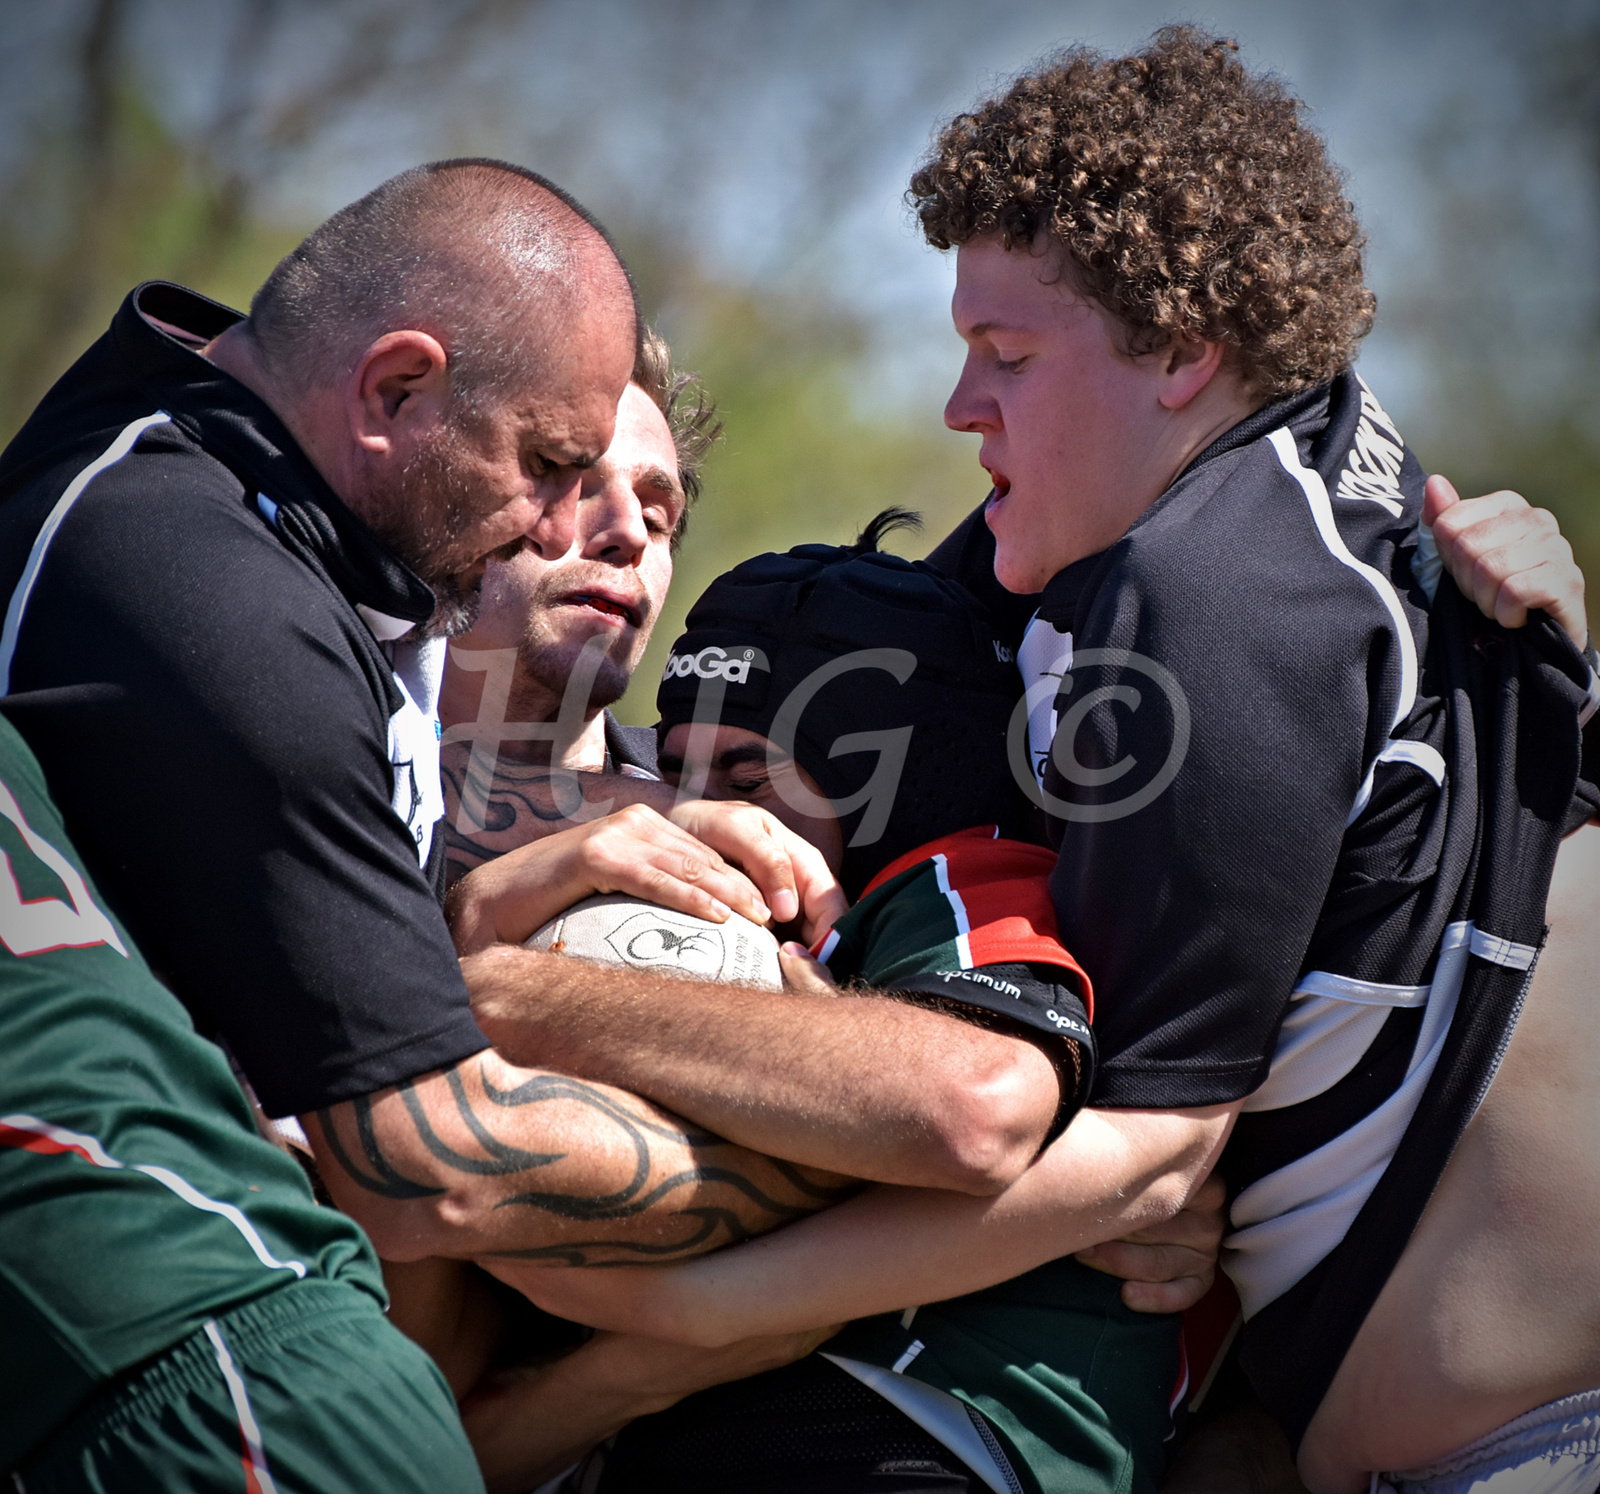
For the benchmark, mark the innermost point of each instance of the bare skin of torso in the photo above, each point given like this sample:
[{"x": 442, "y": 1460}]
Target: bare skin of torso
[{"x": 1494, "y": 1308}]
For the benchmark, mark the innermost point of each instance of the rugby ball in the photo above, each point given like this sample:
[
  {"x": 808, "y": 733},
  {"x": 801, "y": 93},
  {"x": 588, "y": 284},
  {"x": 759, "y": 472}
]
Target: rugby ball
[{"x": 618, "y": 930}]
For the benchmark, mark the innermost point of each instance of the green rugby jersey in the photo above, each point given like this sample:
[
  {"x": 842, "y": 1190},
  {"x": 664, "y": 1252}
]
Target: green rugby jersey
[
  {"x": 1073, "y": 1389},
  {"x": 944, "y": 918},
  {"x": 137, "y": 1199}
]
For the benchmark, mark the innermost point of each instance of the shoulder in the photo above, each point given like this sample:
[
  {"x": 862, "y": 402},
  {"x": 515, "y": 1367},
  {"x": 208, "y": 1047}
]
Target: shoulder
[
  {"x": 1251, "y": 558},
  {"x": 146, "y": 508},
  {"x": 1246, "y": 514},
  {"x": 166, "y": 579}
]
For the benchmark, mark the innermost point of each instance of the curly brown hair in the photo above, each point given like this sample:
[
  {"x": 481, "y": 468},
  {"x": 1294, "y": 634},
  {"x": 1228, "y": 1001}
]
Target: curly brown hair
[{"x": 1191, "y": 196}]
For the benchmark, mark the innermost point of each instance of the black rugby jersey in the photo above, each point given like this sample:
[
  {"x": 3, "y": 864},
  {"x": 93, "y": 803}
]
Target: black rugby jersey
[
  {"x": 1274, "y": 747},
  {"x": 199, "y": 650}
]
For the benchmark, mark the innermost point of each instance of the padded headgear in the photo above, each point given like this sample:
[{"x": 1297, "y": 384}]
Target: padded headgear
[{"x": 898, "y": 645}]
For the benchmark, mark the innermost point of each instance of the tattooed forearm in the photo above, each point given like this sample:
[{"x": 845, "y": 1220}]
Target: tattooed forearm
[
  {"x": 558, "y": 1169},
  {"x": 384, "y": 1180},
  {"x": 501, "y": 1160}
]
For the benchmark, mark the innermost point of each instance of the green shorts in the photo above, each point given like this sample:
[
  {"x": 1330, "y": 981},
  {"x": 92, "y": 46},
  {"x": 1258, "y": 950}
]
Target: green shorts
[
  {"x": 307, "y": 1391},
  {"x": 1075, "y": 1385}
]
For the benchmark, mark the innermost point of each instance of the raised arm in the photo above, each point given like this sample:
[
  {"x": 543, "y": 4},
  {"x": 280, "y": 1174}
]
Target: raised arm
[
  {"x": 1111, "y": 1172},
  {"x": 487, "y": 1157}
]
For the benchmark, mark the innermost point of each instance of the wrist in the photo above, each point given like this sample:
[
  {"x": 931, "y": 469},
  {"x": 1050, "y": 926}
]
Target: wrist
[{"x": 509, "y": 898}]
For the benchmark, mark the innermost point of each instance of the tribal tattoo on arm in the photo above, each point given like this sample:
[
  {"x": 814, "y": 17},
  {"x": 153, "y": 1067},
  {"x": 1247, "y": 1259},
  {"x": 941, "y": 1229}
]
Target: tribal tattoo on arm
[
  {"x": 524, "y": 1164},
  {"x": 525, "y": 802}
]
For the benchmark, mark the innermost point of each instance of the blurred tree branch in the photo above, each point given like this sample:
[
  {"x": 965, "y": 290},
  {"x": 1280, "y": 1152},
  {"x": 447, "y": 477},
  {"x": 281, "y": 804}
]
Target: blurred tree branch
[
  {"x": 1506, "y": 310},
  {"x": 108, "y": 193}
]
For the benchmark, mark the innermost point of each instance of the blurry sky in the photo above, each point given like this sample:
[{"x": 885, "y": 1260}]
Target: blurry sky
[
  {"x": 752, "y": 156},
  {"x": 772, "y": 142}
]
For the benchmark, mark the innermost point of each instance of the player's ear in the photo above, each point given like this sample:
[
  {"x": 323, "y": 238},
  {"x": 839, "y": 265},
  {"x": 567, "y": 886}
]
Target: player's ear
[
  {"x": 1186, "y": 365},
  {"x": 401, "y": 380}
]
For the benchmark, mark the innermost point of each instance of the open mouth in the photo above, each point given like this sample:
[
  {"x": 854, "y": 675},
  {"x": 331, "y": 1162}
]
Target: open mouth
[
  {"x": 1002, "y": 484},
  {"x": 607, "y": 605}
]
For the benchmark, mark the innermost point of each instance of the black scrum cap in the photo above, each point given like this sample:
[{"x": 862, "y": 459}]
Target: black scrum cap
[{"x": 854, "y": 641}]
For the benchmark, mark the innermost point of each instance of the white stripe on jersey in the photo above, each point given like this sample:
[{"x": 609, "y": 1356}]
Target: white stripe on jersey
[
  {"x": 30, "y": 1134},
  {"x": 1331, "y": 1022},
  {"x": 1289, "y": 1220},
  {"x": 1316, "y": 491},
  {"x": 1417, "y": 754},
  {"x": 113, "y": 454},
  {"x": 941, "y": 872}
]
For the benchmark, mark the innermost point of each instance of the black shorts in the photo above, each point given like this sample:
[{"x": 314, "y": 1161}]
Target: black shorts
[{"x": 808, "y": 1428}]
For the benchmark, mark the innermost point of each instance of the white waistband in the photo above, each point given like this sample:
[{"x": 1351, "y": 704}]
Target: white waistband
[{"x": 1570, "y": 1425}]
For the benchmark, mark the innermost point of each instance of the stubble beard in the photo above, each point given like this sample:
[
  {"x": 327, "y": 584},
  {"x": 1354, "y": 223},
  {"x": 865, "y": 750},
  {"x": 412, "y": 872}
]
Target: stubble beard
[
  {"x": 552, "y": 660},
  {"x": 432, "y": 502}
]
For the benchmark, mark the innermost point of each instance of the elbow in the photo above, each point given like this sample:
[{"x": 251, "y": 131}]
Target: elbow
[
  {"x": 412, "y": 1230},
  {"x": 989, "y": 1126}
]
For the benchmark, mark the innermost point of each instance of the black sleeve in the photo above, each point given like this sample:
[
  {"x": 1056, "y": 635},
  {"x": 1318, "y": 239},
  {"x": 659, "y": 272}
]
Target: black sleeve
[
  {"x": 1213, "y": 732},
  {"x": 210, "y": 723},
  {"x": 1586, "y": 799},
  {"x": 1039, "y": 999}
]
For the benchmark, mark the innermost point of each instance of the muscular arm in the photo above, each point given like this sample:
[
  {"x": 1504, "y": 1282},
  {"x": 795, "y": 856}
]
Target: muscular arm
[
  {"x": 489, "y": 1157},
  {"x": 1110, "y": 1173},
  {"x": 865, "y": 1087}
]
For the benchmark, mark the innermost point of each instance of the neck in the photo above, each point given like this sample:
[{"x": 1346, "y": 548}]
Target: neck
[
  {"x": 1220, "y": 406},
  {"x": 237, "y": 355},
  {"x": 468, "y": 696}
]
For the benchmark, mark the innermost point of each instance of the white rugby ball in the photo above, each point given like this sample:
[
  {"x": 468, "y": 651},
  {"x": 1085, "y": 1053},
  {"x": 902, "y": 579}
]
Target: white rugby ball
[{"x": 619, "y": 930}]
